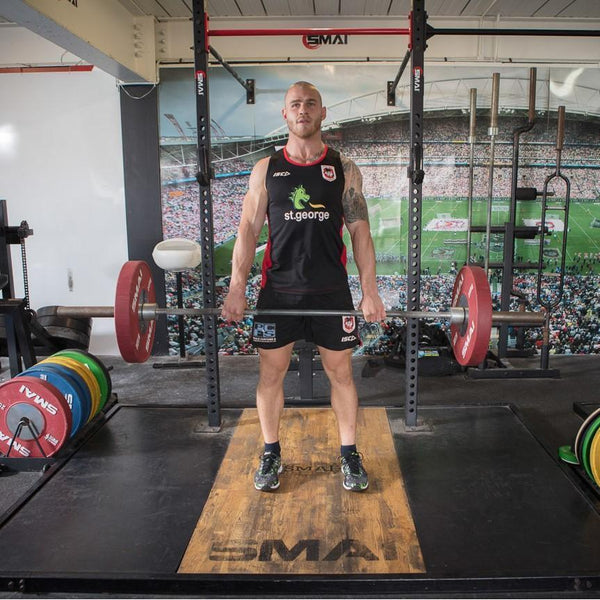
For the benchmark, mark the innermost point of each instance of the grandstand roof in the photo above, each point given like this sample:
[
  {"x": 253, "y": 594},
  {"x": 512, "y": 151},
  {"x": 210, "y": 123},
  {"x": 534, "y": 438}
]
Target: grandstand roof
[
  {"x": 575, "y": 89},
  {"x": 363, "y": 95}
]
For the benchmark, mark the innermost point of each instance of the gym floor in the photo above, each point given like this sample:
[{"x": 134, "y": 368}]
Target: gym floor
[{"x": 494, "y": 510}]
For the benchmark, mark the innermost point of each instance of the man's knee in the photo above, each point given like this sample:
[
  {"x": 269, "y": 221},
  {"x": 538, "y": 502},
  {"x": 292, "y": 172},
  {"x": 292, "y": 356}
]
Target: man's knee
[
  {"x": 273, "y": 366},
  {"x": 338, "y": 366}
]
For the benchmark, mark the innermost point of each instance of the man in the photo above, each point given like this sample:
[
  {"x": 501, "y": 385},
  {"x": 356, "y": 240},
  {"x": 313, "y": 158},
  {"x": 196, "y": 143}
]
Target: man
[{"x": 308, "y": 192}]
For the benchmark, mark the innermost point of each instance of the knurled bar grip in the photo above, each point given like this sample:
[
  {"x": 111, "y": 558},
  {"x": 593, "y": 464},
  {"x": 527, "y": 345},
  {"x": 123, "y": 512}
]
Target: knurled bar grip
[{"x": 455, "y": 315}]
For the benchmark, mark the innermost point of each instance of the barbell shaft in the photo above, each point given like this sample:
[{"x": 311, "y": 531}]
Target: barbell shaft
[{"x": 455, "y": 315}]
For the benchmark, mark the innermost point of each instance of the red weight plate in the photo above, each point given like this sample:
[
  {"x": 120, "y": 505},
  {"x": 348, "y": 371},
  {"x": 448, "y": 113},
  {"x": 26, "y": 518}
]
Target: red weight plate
[
  {"x": 134, "y": 288},
  {"x": 471, "y": 339},
  {"x": 35, "y": 401}
]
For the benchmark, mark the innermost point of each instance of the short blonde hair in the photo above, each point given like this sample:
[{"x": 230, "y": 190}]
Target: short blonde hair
[{"x": 304, "y": 84}]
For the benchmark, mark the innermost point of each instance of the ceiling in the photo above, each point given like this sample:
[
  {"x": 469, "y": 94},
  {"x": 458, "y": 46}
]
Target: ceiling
[
  {"x": 168, "y": 9},
  {"x": 177, "y": 9}
]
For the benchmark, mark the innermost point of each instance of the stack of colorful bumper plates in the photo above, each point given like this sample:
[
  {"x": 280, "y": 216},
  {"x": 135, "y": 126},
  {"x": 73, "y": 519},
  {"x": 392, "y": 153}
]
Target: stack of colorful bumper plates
[
  {"x": 47, "y": 404},
  {"x": 586, "y": 451}
]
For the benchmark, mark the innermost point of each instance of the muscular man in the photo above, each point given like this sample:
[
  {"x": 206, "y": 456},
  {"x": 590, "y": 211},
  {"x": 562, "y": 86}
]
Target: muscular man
[{"x": 308, "y": 192}]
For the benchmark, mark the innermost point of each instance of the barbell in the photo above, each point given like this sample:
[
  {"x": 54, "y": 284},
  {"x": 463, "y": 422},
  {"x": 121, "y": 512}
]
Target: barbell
[{"x": 471, "y": 316}]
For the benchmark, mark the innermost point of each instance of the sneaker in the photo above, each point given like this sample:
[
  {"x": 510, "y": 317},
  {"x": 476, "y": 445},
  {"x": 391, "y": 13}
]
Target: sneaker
[
  {"x": 267, "y": 475},
  {"x": 355, "y": 476}
]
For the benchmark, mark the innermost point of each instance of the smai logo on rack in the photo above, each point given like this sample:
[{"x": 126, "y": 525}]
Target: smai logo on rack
[{"x": 314, "y": 41}]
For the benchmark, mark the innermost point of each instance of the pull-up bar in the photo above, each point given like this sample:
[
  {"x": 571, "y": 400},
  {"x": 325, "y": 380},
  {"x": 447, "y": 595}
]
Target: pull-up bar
[
  {"x": 431, "y": 31},
  {"x": 309, "y": 31}
]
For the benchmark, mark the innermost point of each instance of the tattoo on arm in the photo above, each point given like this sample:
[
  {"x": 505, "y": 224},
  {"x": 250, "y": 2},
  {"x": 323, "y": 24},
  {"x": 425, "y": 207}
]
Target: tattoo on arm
[{"x": 353, "y": 200}]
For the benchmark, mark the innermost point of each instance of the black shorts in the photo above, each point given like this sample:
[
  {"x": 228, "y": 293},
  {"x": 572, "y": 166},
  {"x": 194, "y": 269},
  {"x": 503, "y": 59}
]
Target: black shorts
[{"x": 333, "y": 333}]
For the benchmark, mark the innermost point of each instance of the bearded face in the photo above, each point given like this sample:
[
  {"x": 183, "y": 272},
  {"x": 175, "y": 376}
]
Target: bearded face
[{"x": 303, "y": 111}]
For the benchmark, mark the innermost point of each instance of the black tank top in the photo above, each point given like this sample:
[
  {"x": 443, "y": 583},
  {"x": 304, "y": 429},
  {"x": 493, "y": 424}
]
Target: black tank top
[{"x": 305, "y": 253}]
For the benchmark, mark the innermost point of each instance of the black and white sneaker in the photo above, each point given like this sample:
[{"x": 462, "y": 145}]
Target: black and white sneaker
[
  {"x": 266, "y": 477},
  {"x": 355, "y": 476}
]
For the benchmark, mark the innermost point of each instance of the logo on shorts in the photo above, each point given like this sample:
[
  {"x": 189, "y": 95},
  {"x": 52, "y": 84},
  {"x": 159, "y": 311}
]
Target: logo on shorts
[
  {"x": 348, "y": 323},
  {"x": 264, "y": 332},
  {"x": 328, "y": 172}
]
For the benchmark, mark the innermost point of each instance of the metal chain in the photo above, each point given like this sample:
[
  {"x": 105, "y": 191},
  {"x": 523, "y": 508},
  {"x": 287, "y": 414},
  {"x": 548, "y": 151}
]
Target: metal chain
[{"x": 25, "y": 275}]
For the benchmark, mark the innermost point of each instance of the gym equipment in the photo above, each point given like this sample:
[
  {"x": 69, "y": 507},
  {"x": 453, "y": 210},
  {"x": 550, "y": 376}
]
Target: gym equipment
[
  {"x": 594, "y": 459},
  {"x": 585, "y": 452},
  {"x": 492, "y": 132},
  {"x": 511, "y": 230},
  {"x": 551, "y": 302},
  {"x": 41, "y": 408},
  {"x": 472, "y": 138},
  {"x": 436, "y": 357},
  {"x": 97, "y": 368},
  {"x": 64, "y": 332},
  {"x": 35, "y": 419},
  {"x": 84, "y": 373},
  {"x": 589, "y": 435},
  {"x": 70, "y": 388},
  {"x": 178, "y": 255},
  {"x": 19, "y": 347},
  {"x": 470, "y": 339},
  {"x": 135, "y": 313},
  {"x": 581, "y": 432},
  {"x": 135, "y": 287}
]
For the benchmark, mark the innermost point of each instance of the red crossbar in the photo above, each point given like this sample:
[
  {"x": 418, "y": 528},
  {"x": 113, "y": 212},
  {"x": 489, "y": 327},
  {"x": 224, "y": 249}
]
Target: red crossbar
[
  {"x": 47, "y": 69},
  {"x": 309, "y": 31}
]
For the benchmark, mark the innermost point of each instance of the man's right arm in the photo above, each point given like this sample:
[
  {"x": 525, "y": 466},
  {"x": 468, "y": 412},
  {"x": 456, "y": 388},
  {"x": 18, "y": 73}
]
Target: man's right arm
[{"x": 254, "y": 210}]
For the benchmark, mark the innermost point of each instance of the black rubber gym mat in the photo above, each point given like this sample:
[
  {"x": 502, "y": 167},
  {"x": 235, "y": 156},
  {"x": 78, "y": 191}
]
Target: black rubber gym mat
[
  {"x": 125, "y": 502},
  {"x": 488, "y": 499}
]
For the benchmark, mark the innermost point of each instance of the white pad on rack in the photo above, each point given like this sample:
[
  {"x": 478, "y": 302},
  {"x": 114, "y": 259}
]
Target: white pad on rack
[{"x": 177, "y": 254}]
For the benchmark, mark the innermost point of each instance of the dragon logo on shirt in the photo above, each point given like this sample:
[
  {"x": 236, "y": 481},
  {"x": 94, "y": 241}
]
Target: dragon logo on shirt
[{"x": 300, "y": 197}]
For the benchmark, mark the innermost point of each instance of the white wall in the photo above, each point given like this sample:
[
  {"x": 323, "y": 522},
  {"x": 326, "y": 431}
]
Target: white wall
[{"x": 61, "y": 170}]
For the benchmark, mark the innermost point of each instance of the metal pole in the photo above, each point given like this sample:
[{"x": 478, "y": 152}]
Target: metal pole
[
  {"x": 456, "y": 314},
  {"x": 415, "y": 175},
  {"x": 248, "y": 84},
  {"x": 392, "y": 85},
  {"x": 492, "y": 132},
  {"x": 181, "y": 320},
  {"x": 309, "y": 31},
  {"x": 472, "y": 136},
  {"x": 516, "y": 32},
  {"x": 431, "y": 31},
  {"x": 204, "y": 177},
  {"x": 550, "y": 303},
  {"x": 509, "y": 231}
]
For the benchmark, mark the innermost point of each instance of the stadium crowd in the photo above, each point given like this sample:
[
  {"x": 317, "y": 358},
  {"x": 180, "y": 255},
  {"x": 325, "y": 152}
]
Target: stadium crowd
[{"x": 575, "y": 322}]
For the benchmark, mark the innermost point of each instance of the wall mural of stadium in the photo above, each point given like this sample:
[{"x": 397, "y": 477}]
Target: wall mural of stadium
[{"x": 362, "y": 126}]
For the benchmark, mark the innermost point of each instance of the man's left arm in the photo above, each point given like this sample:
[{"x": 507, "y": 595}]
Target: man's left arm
[{"x": 356, "y": 216}]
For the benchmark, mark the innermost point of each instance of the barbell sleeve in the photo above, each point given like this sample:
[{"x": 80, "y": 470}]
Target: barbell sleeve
[{"x": 85, "y": 312}]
